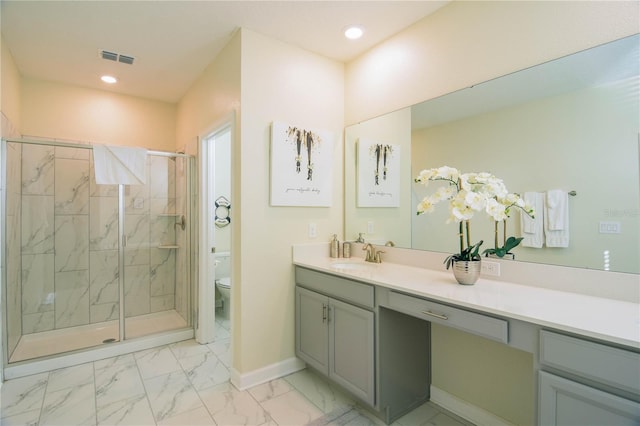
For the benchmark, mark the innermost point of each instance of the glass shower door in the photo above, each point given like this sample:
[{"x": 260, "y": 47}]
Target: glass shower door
[
  {"x": 156, "y": 290},
  {"x": 87, "y": 264}
]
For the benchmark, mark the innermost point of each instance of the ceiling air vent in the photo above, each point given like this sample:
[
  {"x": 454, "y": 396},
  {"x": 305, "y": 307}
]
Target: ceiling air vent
[
  {"x": 125, "y": 59},
  {"x": 110, "y": 56},
  {"x": 116, "y": 57}
]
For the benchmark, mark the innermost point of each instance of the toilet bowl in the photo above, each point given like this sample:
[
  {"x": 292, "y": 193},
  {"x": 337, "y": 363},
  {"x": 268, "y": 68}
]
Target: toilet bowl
[
  {"x": 224, "y": 287},
  {"x": 223, "y": 279}
]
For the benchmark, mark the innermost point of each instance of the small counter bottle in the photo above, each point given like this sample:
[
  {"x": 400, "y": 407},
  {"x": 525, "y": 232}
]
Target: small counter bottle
[
  {"x": 346, "y": 250},
  {"x": 334, "y": 250}
]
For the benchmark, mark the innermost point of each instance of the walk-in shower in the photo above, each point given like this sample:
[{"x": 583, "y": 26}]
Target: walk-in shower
[{"x": 86, "y": 264}]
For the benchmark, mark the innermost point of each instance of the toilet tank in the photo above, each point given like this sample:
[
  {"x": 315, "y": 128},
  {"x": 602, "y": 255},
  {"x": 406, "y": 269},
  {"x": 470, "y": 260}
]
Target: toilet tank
[{"x": 223, "y": 264}]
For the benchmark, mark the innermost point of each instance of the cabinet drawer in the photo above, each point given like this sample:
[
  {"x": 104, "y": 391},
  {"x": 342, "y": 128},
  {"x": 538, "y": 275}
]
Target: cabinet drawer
[
  {"x": 482, "y": 325},
  {"x": 612, "y": 366},
  {"x": 330, "y": 285}
]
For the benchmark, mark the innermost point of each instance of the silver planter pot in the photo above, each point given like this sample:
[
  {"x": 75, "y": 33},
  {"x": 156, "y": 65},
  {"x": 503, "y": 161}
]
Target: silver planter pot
[{"x": 466, "y": 272}]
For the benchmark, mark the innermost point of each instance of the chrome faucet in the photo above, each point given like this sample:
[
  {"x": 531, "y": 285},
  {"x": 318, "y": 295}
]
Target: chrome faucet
[{"x": 372, "y": 255}]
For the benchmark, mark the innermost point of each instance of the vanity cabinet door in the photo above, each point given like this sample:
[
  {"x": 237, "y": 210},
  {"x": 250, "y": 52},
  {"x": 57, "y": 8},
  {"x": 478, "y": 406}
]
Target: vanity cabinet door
[
  {"x": 337, "y": 339},
  {"x": 312, "y": 331},
  {"x": 565, "y": 402},
  {"x": 351, "y": 349}
]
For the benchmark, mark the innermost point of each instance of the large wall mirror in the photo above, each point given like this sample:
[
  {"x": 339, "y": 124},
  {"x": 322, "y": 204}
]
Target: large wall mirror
[{"x": 571, "y": 124}]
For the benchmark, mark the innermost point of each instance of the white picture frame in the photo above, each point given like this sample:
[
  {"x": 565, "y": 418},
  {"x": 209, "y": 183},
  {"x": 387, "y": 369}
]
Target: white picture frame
[
  {"x": 301, "y": 166},
  {"x": 378, "y": 167}
]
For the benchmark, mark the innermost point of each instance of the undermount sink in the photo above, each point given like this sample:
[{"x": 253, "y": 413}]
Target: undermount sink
[{"x": 352, "y": 266}]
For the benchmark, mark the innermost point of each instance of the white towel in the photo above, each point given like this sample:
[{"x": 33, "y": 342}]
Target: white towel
[
  {"x": 557, "y": 208},
  {"x": 120, "y": 165},
  {"x": 556, "y": 218},
  {"x": 533, "y": 227}
]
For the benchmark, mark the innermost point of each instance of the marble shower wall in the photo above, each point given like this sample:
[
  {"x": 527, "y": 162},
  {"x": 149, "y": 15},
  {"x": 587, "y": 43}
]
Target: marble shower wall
[
  {"x": 62, "y": 241},
  {"x": 150, "y": 217}
]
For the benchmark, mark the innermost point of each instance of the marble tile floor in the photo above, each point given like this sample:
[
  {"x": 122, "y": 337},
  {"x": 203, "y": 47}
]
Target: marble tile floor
[{"x": 185, "y": 384}]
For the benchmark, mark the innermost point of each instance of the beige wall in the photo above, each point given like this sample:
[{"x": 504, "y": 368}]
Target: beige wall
[
  {"x": 60, "y": 111},
  {"x": 279, "y": 83},
  {"x": 10, "y": 93},
  {"x": 486, "y": 373},
  {"x": 468, "y": 42},
  {"x": 462, "y": 44},
  {"x": 211, "y": 99}
]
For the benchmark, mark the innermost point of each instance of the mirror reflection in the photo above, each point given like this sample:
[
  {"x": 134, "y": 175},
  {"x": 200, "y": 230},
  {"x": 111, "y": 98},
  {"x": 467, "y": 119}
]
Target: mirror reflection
[{"x": 571, "y": 124}]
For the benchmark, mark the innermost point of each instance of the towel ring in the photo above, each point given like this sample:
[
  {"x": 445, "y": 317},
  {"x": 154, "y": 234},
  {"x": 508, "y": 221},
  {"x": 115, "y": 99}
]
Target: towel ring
[{"x": 222, "y": 212}]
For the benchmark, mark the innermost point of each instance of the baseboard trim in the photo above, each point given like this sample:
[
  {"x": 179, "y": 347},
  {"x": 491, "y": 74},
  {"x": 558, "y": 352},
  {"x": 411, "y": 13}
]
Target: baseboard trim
[
  {"x": 266, "y": 374},
  {"x": 469, "y": 412}
]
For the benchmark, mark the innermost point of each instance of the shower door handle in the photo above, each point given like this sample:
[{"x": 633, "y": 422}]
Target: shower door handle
[{"x": 124, "y": 241}]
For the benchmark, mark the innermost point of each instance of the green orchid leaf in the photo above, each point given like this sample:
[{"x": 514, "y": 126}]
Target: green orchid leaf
[{"x": 511, "y": 242}]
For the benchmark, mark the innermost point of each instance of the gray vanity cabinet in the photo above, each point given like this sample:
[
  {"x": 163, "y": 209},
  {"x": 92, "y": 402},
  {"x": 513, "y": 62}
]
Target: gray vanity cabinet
[
  {"x": 587, "y": 383},
  {"x": 335, "y": 337},
  {"x": 565, "y": 402},
  {"x": 312, "y": 329}
]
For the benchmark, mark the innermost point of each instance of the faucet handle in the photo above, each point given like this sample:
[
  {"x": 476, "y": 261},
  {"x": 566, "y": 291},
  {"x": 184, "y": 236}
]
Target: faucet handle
[{"x": 379, "y": 256}]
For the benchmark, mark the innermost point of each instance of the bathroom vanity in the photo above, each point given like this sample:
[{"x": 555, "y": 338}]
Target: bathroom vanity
[{"x": 367, "y": 328}]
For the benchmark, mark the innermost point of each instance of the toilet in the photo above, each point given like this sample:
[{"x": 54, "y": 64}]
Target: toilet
[
  {"x": 224, "y": 287},
  {"x": 223, "y": 277}
]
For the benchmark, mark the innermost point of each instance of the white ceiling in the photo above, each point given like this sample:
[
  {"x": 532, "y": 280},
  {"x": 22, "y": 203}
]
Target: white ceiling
[{"x": 173, "y": 41}]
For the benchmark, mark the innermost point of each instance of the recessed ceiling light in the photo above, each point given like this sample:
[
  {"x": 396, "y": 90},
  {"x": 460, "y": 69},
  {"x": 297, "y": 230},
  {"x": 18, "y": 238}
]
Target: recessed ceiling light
[
  {"x": 353, "y": 32},
  {"x": 109, "y": 79}
]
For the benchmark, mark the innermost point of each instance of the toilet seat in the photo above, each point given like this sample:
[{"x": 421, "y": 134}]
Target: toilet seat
[{"x": 224, "y": 282}]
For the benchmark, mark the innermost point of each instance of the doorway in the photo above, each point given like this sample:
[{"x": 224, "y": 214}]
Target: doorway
[{"x": 216, "y": 215}]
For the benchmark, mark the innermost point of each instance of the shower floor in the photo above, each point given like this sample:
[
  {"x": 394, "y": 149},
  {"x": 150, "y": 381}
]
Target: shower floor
[{"x": 59, "y": 341}]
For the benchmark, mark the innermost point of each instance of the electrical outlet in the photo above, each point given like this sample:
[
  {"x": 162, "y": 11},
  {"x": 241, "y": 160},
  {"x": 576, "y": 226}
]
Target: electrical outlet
[
  {"x": 490, "y": 268},
  {"x": 313, "y": 230},
  {"x": 609, "y": 227},
  {"x": 370, "y": 227}
]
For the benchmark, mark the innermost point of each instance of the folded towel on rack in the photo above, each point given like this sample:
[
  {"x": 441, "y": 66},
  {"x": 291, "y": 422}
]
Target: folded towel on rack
[
  {"x": 557, "y": 205},
  {"x": 120, "y": 165},
  {"x": 533, "y": 227},
  {"x": 556, "y": 218}
]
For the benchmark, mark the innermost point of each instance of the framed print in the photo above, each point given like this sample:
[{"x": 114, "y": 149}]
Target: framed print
[
  {"x": 301, "y": 166},
  {"x": 378, "y": 174}
]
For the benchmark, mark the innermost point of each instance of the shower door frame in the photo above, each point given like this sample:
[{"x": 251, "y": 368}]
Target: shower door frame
[{"x": 124, "y": 346}]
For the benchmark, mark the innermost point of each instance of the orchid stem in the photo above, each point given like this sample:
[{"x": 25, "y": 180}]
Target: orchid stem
[
  {"x": 504, "y": 233},
  {"x": 468, "y": 234}
]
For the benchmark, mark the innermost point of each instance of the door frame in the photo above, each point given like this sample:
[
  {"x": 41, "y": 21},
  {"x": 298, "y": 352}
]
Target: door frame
[{"x": 206, "y": 313}]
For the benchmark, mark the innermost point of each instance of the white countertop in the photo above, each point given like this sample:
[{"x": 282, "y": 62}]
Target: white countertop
[{"x": 597, "y": 317}]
